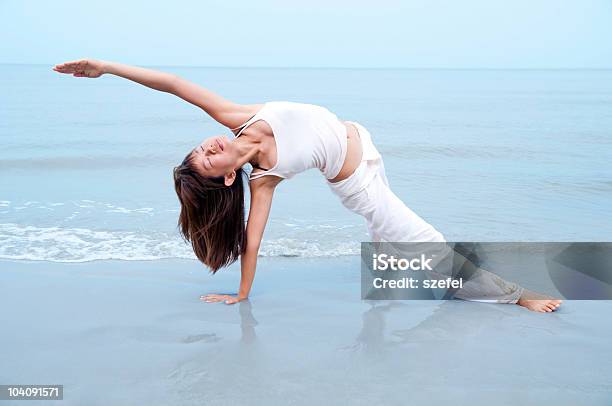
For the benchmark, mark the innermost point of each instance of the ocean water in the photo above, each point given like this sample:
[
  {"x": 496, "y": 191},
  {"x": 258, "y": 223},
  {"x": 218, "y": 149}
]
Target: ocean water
[{"x": 482, "y": 155}]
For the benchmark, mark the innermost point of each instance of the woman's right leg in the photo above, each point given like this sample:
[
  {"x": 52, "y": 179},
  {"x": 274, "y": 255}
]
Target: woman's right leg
[
  {"x": 366, "y": 192},
  {"x": 389, "y": 219}
]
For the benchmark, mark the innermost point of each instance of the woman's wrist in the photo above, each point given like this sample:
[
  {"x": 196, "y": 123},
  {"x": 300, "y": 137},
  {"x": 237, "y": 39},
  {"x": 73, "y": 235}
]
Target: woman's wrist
[
  {"x": 243, "y": 292},
  {"x": 106, "y": 67}
]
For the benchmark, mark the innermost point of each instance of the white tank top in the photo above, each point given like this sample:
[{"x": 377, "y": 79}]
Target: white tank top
[{"x": 306, "y": 136}]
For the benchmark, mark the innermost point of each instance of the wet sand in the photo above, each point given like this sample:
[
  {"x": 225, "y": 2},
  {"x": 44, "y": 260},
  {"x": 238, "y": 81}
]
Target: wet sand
[{"x": 129, "y": 332}]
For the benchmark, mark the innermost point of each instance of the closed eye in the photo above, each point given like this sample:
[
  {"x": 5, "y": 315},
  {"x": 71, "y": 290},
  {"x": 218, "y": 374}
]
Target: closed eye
[{"x": 206, "y": 163}]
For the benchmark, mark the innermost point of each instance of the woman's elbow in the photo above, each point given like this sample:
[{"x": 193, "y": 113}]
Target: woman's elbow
[{"x": 172, "y": 84}]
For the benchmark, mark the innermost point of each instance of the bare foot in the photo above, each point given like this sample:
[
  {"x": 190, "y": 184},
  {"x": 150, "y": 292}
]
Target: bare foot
[{"x": 538, "y": 303}]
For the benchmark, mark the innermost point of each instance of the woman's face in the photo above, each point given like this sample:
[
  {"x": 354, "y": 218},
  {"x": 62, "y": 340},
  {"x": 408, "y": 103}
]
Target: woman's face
[{"x": 214, "y": 157}]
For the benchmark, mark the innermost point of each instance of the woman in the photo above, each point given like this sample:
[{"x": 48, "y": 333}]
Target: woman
[{"x": 279, "y": 140}]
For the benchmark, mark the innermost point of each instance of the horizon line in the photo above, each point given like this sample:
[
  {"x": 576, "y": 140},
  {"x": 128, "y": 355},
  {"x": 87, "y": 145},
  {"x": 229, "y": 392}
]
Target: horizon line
[{"x": 335, "y": 67}]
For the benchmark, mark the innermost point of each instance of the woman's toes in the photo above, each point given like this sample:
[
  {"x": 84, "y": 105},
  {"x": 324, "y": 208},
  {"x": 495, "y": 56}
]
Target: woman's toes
[{"x": 540, "y": 305}]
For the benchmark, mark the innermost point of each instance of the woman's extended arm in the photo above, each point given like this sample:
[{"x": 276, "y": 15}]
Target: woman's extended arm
[
  {"x": 224, "y": 111},
  {"x": 261, "y": 201}
]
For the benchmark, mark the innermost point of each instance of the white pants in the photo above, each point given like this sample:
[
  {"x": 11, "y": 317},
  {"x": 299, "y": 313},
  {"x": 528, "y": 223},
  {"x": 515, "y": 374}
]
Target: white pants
[{"x": 367, "y": 193}]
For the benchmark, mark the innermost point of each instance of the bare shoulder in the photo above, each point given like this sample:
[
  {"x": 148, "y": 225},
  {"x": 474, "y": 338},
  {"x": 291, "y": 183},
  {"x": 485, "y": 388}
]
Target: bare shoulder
[
  {"x": 238, "y": 114},
  {"x": 264, "y": 184}
]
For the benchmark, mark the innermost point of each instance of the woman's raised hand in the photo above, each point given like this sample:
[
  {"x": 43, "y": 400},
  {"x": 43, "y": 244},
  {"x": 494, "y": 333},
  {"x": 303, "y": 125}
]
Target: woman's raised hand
[{"x": 84, "y": 68}]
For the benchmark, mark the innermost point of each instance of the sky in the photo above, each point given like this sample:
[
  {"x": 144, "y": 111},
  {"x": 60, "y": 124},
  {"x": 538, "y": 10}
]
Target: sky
[{"x": 531, "y": 34}]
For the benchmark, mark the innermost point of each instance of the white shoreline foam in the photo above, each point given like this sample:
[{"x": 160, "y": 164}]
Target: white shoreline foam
[{"x": 57, "y": 244}]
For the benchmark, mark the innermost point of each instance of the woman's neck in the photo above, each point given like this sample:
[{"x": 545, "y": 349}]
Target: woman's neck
[{"x": 248, "y": 150}]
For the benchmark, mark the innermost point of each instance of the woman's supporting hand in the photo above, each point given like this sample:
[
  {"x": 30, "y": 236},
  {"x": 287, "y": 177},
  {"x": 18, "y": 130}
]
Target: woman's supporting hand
[
  {"x": 228, "y": 299},
  {"x": 84, "y": 68}
]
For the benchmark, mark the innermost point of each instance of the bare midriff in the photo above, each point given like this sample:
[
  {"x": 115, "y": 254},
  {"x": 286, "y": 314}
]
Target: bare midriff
[{"x": 353, "y": 153}]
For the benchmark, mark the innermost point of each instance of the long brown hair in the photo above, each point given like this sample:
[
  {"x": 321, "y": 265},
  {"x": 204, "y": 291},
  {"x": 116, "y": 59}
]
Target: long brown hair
[{"x": 212, "y": 214}]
